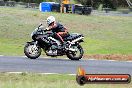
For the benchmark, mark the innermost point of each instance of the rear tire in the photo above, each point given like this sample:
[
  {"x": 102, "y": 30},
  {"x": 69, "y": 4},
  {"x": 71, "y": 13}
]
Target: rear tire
[
  {"x": 72, "y": 57},
  {"x": 31, "y": 56}
]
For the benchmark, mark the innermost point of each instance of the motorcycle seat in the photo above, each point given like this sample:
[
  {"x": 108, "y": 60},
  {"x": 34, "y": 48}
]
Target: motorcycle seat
[{"x": 72, "y": 36}]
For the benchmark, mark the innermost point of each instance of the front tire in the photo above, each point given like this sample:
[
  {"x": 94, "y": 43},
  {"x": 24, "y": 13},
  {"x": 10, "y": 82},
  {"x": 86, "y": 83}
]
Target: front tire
[
  {"x": 71, "y": 54},
  {"x": 28, "y": 48}
]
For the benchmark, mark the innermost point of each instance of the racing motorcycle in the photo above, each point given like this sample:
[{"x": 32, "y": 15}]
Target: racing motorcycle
[{"x": 44, "y": 40}]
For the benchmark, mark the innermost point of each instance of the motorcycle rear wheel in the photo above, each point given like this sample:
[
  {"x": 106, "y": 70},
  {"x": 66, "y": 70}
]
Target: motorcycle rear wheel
[{"x": 71, "y": 54}]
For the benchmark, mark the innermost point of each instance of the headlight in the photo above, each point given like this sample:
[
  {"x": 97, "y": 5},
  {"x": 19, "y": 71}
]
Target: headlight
[{"x": 35, "y": 30}]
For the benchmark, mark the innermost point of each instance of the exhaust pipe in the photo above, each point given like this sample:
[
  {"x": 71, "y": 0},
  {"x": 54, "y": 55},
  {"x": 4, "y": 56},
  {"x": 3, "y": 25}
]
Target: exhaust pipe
[{"x": 75, "y": 40}]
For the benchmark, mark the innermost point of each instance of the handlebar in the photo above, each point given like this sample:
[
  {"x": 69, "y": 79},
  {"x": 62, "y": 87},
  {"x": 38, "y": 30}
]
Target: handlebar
[
  {"x": 44, "y": 29},
  {"x": 40, "y": 25}
]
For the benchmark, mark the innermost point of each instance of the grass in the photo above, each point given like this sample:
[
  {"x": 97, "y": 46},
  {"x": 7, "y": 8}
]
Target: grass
[
  {"x": 103, "y": 34},
  {"x": 32, "y": 80}
]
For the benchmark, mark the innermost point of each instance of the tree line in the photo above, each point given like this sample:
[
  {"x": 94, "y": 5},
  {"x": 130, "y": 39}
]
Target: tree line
[
  {"x": 105, "y": 3},
  {"x": 94, "y": 3}
]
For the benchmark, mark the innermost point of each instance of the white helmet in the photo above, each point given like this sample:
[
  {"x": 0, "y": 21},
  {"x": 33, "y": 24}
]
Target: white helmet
[{"x": 50, "y": 19}]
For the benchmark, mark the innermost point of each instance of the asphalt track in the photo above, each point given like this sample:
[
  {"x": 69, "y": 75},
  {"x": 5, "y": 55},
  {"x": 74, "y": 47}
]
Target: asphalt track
[{"x": 65, "y": 66}]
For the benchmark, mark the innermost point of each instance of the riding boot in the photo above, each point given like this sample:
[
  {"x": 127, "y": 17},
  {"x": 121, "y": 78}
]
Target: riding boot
[{"x": 62, "y": 46}]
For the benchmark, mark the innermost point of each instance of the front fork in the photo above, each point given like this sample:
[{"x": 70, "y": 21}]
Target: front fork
[{"x": 35, "y": 45}]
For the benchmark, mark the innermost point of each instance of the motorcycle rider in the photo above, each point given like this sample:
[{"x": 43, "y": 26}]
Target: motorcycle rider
[{"x": 59, "y": 30}]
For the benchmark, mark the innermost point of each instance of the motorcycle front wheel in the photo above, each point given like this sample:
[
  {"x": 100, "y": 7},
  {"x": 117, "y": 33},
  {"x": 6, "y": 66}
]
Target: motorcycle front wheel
[
  {"x": 32, "y": 51},
  {"x": 75, "y": 55}
]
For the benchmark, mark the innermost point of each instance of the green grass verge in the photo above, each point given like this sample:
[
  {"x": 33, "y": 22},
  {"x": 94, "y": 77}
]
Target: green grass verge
[
  {"x": 103, "y": 34},
  {"x": 29, "y": 80}
]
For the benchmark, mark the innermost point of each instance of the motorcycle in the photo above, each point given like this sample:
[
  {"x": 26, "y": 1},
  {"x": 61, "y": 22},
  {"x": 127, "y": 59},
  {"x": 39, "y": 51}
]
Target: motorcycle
[{"x": 44, "y": 40}]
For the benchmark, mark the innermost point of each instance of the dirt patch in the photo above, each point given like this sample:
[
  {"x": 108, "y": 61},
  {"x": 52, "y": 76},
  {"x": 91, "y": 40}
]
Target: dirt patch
[{"x": 109, "y": 57}]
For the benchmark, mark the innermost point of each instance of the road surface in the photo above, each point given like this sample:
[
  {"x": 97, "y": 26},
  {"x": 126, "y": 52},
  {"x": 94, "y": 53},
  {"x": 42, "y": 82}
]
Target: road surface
[{"x": 66, "y": 66}]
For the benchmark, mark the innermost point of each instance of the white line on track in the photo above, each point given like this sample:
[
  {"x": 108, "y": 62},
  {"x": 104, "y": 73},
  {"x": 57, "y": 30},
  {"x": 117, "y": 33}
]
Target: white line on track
[
  {"x": 40, "y": 57},
  {"x": 38, "y": 73},
  {"x": 102, "y": 60},
  {"x": 1, "y": 55},
  {"x": 48, "y": 73},
  {"x": 15, "y": 72},
  {"x": 23, "y": 56},
  {"x": 109, "y": 60},
  {"x": 71, "y": 74},
  {"x": 128, "y": 61},
  {"x": 112, "y": 60},
  {"x": 92, "y": 59},
  {"x": 83, "y": 59}
]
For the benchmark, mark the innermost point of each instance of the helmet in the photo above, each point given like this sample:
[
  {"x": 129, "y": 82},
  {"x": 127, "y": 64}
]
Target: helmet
[{"x": 50, "y": 20}]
